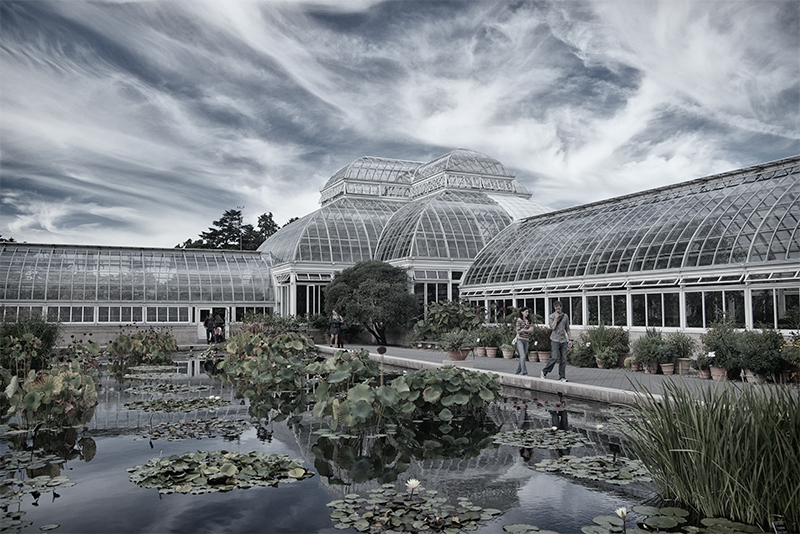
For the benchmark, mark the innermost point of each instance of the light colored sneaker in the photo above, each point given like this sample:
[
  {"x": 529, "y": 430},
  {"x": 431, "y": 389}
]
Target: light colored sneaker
[
  {"x": 541, "y": 375},
  {"x": 563, "y": 380}
]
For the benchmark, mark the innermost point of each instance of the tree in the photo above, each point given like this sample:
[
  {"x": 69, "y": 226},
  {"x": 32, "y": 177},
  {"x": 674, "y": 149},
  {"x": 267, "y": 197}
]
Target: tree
[
  {"x": 11, "y": 239},
  {"x": 228, "y": 232},
  {"x": 374, "y": 295}
]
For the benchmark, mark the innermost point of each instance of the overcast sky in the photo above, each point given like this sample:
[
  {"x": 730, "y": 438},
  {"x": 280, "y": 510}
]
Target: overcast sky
[{"x": 139, "y": 123}]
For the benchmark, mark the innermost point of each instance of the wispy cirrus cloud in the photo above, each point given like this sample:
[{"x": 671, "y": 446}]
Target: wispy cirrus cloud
[{"x": 139, "y": 123}]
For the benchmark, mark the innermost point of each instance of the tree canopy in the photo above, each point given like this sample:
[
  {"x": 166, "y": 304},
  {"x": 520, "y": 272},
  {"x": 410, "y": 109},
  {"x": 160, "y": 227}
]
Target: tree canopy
[
  {"x": 228, "y": 232},
  {"x": 374, "y": 295}
]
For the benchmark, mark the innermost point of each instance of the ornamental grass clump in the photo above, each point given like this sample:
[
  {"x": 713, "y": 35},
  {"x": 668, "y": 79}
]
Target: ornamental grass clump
[{"x": 723, "y": 452}]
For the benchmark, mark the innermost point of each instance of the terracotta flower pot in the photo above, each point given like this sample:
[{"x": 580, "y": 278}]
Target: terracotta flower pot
[
  {"x": 491, "y": 352},
  {"x": 544, "y": 356},
  {"x": 456, "y": 355},
  {"x": 705, "y": 374},
  {"x": 533, "y": 356},
  {"x": 508, "y": 353},
  {"x": 480, "y": 351},
  {"x": 650, "y": 368},
  {"x": 635, "y": 367},
  {"x": 718, "y": 373},
  {"x": 683, "y": 366},
  {"x": 465, "y": 352},
  {"x": 599, "y": 363},
  {"x": 668, "y": 368}
]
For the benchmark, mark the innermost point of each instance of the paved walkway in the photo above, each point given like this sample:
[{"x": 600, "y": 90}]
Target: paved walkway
[{"x": 603, "y": 385}]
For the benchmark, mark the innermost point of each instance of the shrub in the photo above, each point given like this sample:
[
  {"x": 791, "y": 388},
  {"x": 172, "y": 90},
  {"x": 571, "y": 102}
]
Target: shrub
[
  {"x": 609, "y": 342},
  {"x": 666, "y": 354},
  {"x": 722, "y": 339},
  {"x": 488, "y": 336},
  {"x": 607, "y": 357},
  {"x": 582, "y": 353},
  {"x": 761, "y": 351},
  {"x": 543, "y": 338},
  {"x": 455, "y": 340},
  {"x": 645, "y": 348},
  {"x": 684, "y": 344}
]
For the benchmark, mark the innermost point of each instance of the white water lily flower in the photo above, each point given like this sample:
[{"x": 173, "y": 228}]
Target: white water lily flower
[
  {"x": 599, "y": 427},
  {"x": 413, "y": 484},
  {"x": 622, "y": 512},
  {"x": 553, "y": 428}
]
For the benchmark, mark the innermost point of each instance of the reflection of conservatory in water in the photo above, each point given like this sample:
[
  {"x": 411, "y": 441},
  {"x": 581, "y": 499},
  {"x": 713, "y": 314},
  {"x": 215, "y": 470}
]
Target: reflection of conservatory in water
[
  {"x": 672, "y": 258},
  {"x": 430, "y": 218}
]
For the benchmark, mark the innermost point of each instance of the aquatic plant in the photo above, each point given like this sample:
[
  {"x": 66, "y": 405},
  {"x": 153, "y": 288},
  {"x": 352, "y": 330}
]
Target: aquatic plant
[
  {"x": 722, "y": 452},
  {"x": 216, "y": 471}
]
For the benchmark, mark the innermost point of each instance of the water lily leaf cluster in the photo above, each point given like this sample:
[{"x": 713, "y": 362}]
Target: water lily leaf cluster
[
  {"x": 166, "y": 388},
  {"x": 144, "y": 347},
  {"x": 541, "y": 438},
  {"x": 217, "y": 471},
  {"x": 13, "y": 483},
  {"x": 445, "y": 393},
  {"x": 387, "y": 510},
  {"x": 619, "y": 471},
  {"x": 270, "y": 371},
  {"x": 60, "y": 396},
  {"x": 187, "y": 404},
  {"x": 197, "y": 429}
]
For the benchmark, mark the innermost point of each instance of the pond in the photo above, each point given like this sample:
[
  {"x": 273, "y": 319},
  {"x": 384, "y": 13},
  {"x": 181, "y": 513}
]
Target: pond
[{"x": 495, "y": 476}]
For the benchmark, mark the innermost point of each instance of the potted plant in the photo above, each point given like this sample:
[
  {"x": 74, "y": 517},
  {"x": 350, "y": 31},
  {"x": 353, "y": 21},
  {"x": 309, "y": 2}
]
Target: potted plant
[
  {"x": 542, "y": 343},
  {"x": 491, "y": 338},
  {"x": 790, "y": 353},
  {"x": 631, "y": 363},
  {"x": 685, "y": 347},
  {"x": 645, "y": 349},
  {"x": 508, "y": 350},
  {"x": 760, "y": 353},
  {"x": 703, "y": 365},
  {"x": 452, "y": 342},
  {"x": 721, "y": 340},
  {"x": 667, "y": 355},
  {"x": 606, "y": 358}
]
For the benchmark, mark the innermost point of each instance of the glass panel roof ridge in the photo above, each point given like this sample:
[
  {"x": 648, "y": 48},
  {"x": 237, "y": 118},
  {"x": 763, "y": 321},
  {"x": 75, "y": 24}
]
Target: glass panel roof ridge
[
  {"x": 375, "y": 169},
  {"x": 651, "y": 238},
  {"x": 463, "y": 160},
  {"x": 761, "y": 171}
]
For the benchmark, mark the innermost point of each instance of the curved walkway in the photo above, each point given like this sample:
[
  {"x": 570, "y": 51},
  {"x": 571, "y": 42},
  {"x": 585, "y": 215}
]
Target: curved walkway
[{"x": 602, "y": 385}]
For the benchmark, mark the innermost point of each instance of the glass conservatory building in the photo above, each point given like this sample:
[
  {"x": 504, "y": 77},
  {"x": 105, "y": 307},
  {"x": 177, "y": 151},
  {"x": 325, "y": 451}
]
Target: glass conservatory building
[
  {"x": 672, "y": 258},
  {"x": 430, "y": 218},
  {"x": 96, "y": 290}
]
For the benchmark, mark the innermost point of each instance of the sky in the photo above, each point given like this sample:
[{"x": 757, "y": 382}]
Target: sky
[{"x": 139, "y": 123}]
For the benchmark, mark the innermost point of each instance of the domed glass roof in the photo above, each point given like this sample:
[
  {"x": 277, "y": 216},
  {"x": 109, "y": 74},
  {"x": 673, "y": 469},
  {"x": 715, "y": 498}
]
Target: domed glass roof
[
  {"x": 447, "y": 225},
  {"x": 373, "y": 169},
  {"x": 463, "y": 160},
  {"x": 746, "y": 216},
  {"x": 344, "y": 230}
]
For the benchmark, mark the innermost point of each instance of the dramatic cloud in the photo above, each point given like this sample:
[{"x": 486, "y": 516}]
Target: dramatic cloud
[{"x": 138, "y": 123}]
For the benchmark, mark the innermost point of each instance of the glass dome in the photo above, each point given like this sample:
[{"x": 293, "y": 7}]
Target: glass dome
[
  {"x": 742, "y": 217},
  {"x": 463, "y": 161},
  {"x": 345, "y": 230},
  {"x": 85, "y": 273},
  {"x": 448, "y": 225}
]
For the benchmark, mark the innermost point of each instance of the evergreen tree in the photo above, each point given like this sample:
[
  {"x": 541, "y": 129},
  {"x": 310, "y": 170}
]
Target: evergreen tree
[{"x": 228, "y": 232}]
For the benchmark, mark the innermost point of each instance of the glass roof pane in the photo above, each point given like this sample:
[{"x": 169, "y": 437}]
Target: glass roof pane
[{"x": 707, "y": 221}]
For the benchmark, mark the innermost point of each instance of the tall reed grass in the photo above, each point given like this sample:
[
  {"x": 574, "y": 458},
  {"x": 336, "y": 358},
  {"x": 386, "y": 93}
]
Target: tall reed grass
[{"x": 724, "y": 452}]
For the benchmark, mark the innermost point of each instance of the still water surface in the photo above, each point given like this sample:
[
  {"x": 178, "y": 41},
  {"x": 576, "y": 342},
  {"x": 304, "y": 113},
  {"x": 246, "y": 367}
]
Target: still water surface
[{"x": 105, "y": 501}]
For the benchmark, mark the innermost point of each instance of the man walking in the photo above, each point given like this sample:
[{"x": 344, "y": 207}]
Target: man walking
[{"x": 559, "y": 342}]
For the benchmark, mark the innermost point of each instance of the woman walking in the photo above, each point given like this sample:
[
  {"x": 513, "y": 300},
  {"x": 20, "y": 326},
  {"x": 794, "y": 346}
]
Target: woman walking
[{"x": 524, "y": 329}]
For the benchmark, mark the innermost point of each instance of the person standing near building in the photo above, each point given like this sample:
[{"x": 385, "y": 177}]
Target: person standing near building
[
  {"x": 209, "y": 325},
  {"x": 559, "y": 342},
  {"x": 219, "y": 326},
  {"x": 524, "y": 329},
  {"x": 336, "y": 325}
]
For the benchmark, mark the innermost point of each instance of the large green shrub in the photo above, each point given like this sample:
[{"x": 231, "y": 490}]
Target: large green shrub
[
  {"x": 442, "y": 317},
  {"x": 646, "y": 348},
  {"x": 582, "y": 354},
  {"x": 684, "y": 344},
  {"x": 760, "y": 351}
]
